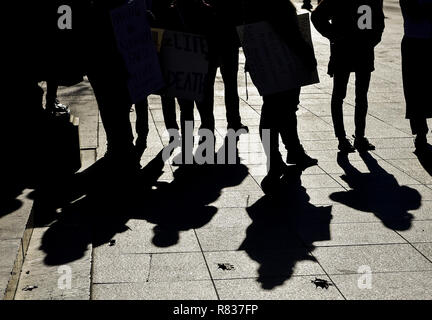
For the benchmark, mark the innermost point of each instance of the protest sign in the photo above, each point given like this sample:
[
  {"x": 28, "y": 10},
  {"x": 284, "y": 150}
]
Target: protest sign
[
  {"x": 184, "y": 64},
  {"x": 134, "y": 40},
  {"x": 273, "y": 66}
]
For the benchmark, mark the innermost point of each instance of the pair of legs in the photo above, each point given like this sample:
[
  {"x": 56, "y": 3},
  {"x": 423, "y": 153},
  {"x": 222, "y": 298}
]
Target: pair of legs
[
  {"x": 278, "y": 118},
  {"x": 228, "y": 59},
  {"x": 170, "y": 118},
  {"x": 340, "y": 83}
]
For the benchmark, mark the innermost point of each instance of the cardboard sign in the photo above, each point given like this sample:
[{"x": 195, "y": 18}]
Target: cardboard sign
[
  {"x": 134, "y": 40},
  {"x": 273, "y": 66},
  {"x": 184, "y": 64}
]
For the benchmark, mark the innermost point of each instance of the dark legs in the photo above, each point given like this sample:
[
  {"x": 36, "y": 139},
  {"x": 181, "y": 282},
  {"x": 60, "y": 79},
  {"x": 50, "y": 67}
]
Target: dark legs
[{"x": 340, "y": 84}]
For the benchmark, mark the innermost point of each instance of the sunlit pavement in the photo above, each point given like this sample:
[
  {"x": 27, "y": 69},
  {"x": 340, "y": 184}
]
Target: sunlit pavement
[{"x": 363, "y": 225}]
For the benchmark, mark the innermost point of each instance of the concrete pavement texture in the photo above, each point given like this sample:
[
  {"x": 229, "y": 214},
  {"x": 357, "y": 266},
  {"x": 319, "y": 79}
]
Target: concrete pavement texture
[{"x": 211, "y": 233}]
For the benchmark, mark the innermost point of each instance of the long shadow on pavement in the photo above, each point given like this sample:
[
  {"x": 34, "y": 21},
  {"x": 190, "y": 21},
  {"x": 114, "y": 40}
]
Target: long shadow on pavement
[
  {"x": 377, "y": 192},
  {"x": 108, "y": 204},
  {"x": 285, "y": 226}
]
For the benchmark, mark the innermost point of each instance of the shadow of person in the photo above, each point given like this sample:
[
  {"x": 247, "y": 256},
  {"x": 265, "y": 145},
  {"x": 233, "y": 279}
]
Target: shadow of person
[
  {"x": 377, "y": 192},
  {"x": 425, "y": 158},
  {"x": 96, "y": 217},
  {"x": 99, "y": 207},
  {"x": 285, "y": 226},
  {"x": 185, "y": 203}
]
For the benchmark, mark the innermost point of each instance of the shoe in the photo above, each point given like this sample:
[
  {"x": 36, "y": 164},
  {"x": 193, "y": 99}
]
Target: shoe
[
  {"x": 345, "y": 145},
  {"x": 300, "y": 158},
  {"x": 362, "y": 144},
  {"x": 238, "y": 127},
  {"x": 57, "y": 109}
]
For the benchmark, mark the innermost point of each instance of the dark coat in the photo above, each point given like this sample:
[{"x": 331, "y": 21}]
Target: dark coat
[
  {"x": 416, "y": 61},
  {"x": 352, "y": 49}
]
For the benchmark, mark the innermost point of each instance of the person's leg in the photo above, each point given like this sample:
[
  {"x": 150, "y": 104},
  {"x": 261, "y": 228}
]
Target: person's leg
[
  {"x": 229, "y": 71},
  {"x": 287, "y": 121},
  {"x": 169, "y": 112},
  {"x": 51, "y": 94},
  {"x": 340, "y": 83},
  {"x": 420, "y": 129},
  {"x": 141, "y": 127},
  {"x": 206, "y": 106},
  {"x": 414, "y": 57},
  {"x": 361, "y": 102},
  {"x": 186, "y": 117},
  {"x": 114, "y": 105},
  {"x": 361, "y": 108},
  {"x": 287, "y": 127},
  {"x": 269, "y": 134}
]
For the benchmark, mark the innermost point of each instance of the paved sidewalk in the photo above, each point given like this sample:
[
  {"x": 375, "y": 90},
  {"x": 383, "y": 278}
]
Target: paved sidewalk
[{"x": 210, "y": 233}]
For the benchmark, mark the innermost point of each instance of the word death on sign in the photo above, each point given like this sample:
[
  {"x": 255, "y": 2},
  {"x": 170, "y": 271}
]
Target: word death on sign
[{"x": 184, "y": 64}]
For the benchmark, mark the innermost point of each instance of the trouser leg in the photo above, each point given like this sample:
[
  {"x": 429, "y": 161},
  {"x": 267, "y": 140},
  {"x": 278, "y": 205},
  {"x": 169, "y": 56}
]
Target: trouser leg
[
  {"x": 169, "y": 112},
  {"x": 361, "y": 102},
  {"x": 340, "y": 83},
  {"x": 114, "y": 105},
  {"x": 51, "y": 93},
  {"x": 142, "y": 122},
  {"x": 287, "y": 121},
  {"x": 206, "y": 106},
  {"x": 269, "y": 132},
  {"x": 186, "y": 116},
  {"x": 419, "y": 126},
  {"x": 229, "y": 70}
]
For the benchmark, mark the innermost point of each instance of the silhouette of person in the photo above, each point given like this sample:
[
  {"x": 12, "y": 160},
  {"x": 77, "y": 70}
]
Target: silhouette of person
[
  {"x": 417, "y": 67},
  {"x": 167, "y": 16},
  {"x": 278, "y": 113},
  {"x": 378, "y": 192},
  {"x": 108, "y": 76},
  {"x": 196, "y": 16},
  {"x": 283, "y": 230},
  {"x": 355, "y": 29},
  {"x": 225, "y": 55}
]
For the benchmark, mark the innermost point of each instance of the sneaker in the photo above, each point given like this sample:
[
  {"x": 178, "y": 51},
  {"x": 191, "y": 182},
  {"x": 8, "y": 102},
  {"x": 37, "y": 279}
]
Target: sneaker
[
  {"x": 362, "y": 144},
  {"x": 301, "y": 159},
  {"x": 345, "y": 146}
]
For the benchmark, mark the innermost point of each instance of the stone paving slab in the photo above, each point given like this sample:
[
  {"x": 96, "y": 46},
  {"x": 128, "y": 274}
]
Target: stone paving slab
[
  {"x": 380, "y": 258},
  {"x": 185, "y": 290},
  {"x": 241, "y": 264},
  {"x": 425, "y": 249},
  {"x": 16, "y": 227},
  {"x": 388, "y": 286},
  {"x": 297, "y": 288},
  {"x": 10, "y": 265},
  {"x": 249, "y": 249},
  {"x": 40, "y": 271}
]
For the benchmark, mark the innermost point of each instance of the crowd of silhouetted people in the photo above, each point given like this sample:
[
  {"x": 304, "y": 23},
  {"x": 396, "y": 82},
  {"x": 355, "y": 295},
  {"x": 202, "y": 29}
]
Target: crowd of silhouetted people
[{"x": 45, "y": 53}]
